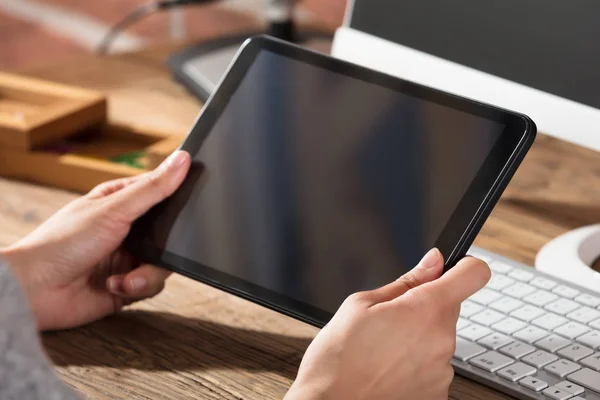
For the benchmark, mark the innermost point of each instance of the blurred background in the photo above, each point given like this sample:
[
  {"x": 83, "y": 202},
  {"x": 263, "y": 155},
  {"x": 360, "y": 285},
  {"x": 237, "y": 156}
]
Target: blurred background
[{"x": 34, "y": 32}]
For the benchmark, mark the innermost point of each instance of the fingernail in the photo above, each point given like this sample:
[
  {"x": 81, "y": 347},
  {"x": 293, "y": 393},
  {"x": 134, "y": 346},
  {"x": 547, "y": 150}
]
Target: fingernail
[
  {"x": 430, "y": 259},
  {"x": 115, "y": 285},
  {"x": 137, "y": 284},
  {"x": 175, "y": 160}
]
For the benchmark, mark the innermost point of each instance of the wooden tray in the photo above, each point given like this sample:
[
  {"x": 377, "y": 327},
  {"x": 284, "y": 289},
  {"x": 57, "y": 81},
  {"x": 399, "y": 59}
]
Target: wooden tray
[
  {"x": 35, "y": 112},
  {"x": 90, "y": 158}
]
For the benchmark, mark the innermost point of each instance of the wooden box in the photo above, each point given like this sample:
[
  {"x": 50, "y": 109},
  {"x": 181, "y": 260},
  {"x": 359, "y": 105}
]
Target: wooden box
[
  {"x": 94, "y": 156},
  {"x": 35, "y": 112}
]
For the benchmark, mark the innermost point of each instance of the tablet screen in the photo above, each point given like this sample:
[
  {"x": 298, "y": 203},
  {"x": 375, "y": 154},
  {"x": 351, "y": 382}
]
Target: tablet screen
[{"x": 314, "y": 185}]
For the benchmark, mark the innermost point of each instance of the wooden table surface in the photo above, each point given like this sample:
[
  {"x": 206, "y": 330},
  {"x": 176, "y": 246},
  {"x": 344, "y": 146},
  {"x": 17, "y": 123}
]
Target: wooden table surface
[{"x": 195, "y": 342}]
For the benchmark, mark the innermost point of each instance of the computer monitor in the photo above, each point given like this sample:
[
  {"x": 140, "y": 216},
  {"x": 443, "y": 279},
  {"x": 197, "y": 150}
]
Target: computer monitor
[{"x": 539, "y": 57}]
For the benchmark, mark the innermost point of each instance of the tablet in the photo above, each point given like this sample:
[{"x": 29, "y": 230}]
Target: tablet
[{"x": 313, "y": 178}]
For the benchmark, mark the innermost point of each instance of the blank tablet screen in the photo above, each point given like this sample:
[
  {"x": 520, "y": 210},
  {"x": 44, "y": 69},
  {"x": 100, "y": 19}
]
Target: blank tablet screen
[{"x": 314, "y": 184}]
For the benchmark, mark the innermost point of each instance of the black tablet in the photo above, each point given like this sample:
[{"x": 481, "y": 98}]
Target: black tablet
[{"x": 313, "y": 178}]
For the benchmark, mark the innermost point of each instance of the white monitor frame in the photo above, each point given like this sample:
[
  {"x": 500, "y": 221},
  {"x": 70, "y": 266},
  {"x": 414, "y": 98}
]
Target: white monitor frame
[{"x": 554, "y": 115}]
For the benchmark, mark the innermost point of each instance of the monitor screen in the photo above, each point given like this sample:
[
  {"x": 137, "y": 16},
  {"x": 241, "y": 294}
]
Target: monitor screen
[
  {"x": 549, "y": 45},
  {"x": 314, "y": 184}
]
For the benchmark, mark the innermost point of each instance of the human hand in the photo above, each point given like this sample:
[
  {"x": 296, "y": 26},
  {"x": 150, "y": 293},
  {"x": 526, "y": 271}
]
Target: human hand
[
  {"x": 394, "y": 342},
  {"x": 73, "y": 268}
]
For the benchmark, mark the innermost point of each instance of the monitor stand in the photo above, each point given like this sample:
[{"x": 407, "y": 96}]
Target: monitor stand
[{"x": 573, "y": 257}]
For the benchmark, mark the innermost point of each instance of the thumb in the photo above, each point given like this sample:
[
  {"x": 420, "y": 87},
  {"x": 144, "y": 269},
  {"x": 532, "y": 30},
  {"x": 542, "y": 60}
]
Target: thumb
[
  {"x": 461, "y": 281},
  {"x": 152, "y": 187},
  {"x": 428, "y": 269}
]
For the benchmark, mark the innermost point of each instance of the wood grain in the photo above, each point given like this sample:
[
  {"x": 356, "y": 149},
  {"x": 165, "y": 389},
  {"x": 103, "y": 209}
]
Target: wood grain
[
  {"x": 35, "y": 112},
  {"x": 195, "y": 342},
  {"x": 91, "y": 158}
]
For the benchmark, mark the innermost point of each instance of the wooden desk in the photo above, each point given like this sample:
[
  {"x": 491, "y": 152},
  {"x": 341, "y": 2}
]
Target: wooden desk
[{"x": 195, "y": 342}]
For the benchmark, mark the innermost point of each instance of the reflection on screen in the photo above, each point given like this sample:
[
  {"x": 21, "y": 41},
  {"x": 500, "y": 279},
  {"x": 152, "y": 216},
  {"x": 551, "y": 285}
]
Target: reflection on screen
[{"x": 316, "y": 185}]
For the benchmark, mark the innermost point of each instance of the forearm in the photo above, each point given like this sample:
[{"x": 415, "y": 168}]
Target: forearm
[
  {"x": 25, "y": 372},
  {"x": 17, "y": 260}
]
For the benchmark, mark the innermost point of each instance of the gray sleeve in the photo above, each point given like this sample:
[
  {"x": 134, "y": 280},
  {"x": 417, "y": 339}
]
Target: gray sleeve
[{"x": 25, "y": 372}]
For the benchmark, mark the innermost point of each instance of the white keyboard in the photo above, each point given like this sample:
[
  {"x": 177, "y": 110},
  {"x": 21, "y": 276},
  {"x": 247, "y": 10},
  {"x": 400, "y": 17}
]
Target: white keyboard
[{"x": 530, "y": 335}]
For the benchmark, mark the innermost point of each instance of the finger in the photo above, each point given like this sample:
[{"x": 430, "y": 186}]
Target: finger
[
  {"x": 460, "y": 282},
  {"x": 428, "y": 269},
  {"x": 145, "y": 281},
  {"x": 110, "y": 187},
  {"x": 153, "y": 187}
]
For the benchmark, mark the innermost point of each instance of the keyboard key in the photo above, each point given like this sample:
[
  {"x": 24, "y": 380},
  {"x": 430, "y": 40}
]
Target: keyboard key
[
  {"x": 499, "y": 267},
  {"x": 550, "y": 321},
  {"x": 485, "y": 296},
  {"x": 474, "y": 332},
  {"x": 552, "y": 343},
  {"x": 522, "y": 322},
  {"x": 521, "y": 275},
  {"x": 466, "y": 350},
  {"x": 517, "y": 350},
  {"x": 481, "y": 256},
  {"x": 487, "y": 317},
  {"x": 506, "y": 304},
  {"x": 528, "y": 312},
  {"x": 587, "y": 378},
  {"x": 495, "y": 341},
  {"x": 556, "y": 394},
  {"x": 509, "y": 325},
  {"x": 533, "y": 383},
  {"x": 539, "y": 359},
  {"x": 588, "y": 300},
  {"x": 562, "y": 306},
  {"x": 572, "y": 330},
  {"x": 540, "y": 298},
  {"x": 543, "y": 283},
  {"x": 516, "y": 371},
  {"x": 595, "y": 324},
  {"x": 592, "y": 362},
  {"x": 468, "y": 308},
  {"x": 565, "y": 291},
  {"x": 499, "y": 282},
  {"x": 591, "y": 339},
  {"x": 584, "y": 315},
  {"x": 519, "y": 290},
  {"x": 575, "y": 352},
  {"x": 570, "y": 387},
  {"x": 562, "y": 368},
  {"x": 491, "y": 361},
  {"x": 462, "y": 323},
  {"x": 530, "y": 334}
]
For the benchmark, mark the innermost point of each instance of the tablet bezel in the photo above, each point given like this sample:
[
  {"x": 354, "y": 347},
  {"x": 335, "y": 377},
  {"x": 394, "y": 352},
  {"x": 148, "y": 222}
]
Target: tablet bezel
[{"x": 467, "y": 219}]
